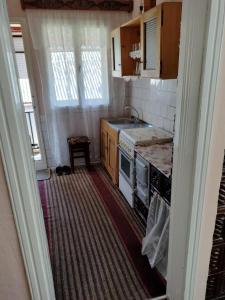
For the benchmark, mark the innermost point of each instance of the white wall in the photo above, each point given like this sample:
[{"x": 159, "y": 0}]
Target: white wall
[
  {"x": 154, "y": 99},
  {"x": 13, "y": 279}
]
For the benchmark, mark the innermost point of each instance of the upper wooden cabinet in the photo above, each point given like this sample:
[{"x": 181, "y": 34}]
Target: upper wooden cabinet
[
  {"x": 123, "y": 41},
  {"x": 149, "y": 44},
  {"x": 160, "y": 38}
]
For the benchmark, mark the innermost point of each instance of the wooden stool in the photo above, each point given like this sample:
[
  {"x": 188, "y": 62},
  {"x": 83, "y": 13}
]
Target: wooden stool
[{"x": 77, "y": 145}]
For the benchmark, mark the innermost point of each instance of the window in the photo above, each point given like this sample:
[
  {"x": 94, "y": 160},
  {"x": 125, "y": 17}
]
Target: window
[
  {"x": 77, "y": 65},
  {"x": 65, "y": 79},
  {"x": 92, "y": 73},
  {"x": 85, "y": 73},
  {"x": 25, "y": 90}
]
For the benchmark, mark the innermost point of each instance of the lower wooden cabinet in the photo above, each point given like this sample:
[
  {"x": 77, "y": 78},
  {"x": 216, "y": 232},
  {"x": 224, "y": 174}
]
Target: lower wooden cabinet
[
  {"x": 104, "y": 147},
  {"x": 109, "y": 149},
  {"x": 112, "y": 155}
]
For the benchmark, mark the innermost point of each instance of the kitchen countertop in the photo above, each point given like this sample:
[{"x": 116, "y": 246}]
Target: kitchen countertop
[
  {"x": 159, "y": 155},
  {"x": 147, "y": 136}
]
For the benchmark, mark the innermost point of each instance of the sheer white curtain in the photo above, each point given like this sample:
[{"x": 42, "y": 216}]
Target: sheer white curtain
[{"x": 73, "y": 54}]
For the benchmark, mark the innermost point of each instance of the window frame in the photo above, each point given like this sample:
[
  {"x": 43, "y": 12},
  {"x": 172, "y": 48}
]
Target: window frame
[{"x": 83, "y": 101}]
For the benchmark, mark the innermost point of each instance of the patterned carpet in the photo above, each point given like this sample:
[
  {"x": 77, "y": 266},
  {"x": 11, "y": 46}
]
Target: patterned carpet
[{"x": 94, "y": 240}]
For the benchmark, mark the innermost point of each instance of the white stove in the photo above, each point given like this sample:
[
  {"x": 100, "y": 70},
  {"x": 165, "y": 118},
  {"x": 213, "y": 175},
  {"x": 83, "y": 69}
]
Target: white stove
[{"x": 128, "y": 140}]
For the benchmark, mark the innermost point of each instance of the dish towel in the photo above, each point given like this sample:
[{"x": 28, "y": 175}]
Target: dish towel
[{"x": 155, "y": 243}]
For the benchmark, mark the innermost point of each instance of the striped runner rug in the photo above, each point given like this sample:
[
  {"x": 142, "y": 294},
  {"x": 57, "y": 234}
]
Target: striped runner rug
[{"x": 95, "y": 240}]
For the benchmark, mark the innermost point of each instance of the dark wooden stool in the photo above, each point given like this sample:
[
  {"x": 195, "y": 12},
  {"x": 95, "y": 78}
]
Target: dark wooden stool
[{"x": 79, "y": 144}]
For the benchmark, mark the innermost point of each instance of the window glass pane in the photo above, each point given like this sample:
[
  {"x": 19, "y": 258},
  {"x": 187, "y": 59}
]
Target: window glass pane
[
  {"x": 18, "y": 44},
  {"x": 23, "y": 78},
  {"x": 92, "y": 74},
  {"x": 64, "y": 72},
  {"x": 21, "y": 65},
  {"x": 25, "y": 90}
]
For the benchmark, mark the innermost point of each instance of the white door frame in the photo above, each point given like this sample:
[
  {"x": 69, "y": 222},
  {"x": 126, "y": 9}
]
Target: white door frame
[
  {"x": 192, "y": 152},
  {"x": 39, "y": 165},
  {"x": 194, "y": 191},
  {"x": 210, "y": 155},
  {"x": 20, "y": 174}
]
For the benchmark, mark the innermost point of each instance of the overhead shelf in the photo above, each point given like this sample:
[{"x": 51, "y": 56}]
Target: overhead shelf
[{"x": 157, "y": 34}]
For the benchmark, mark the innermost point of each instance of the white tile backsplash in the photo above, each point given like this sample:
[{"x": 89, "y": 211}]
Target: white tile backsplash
[
  {"x": 170, "y": 112},
  {"x": 154, "y": 99}
]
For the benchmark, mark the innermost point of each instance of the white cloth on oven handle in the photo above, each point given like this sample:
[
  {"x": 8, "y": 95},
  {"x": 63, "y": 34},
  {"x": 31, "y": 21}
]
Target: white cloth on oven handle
[{"x": 155, "y": 243}]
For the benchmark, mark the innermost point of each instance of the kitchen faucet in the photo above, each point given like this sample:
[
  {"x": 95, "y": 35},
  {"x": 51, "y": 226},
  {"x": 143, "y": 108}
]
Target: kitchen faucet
[{"x": 131, "y": 107}]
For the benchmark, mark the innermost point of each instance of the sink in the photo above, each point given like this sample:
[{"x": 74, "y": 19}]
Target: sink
[{"x": 125, "y": 121}]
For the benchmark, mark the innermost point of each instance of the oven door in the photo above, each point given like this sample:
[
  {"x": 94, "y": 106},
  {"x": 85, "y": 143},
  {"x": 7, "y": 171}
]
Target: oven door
[
  {"x": 142, "y": 172},
  {"x": 126, "y": 166}
]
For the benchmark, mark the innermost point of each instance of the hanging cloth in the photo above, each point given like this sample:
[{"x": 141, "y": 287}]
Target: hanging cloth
[{"x": 155, "y": 243}]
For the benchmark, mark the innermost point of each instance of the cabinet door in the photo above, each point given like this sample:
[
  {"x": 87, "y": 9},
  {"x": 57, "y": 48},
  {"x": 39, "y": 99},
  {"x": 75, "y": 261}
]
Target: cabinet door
[
  {"x": 116, "y": 53},
  {"x": 170, "y": 39},
  {"x": 104, "y": 147},
  {"x": 112, "y": 157},
  {"x": 150, "y": 39}
]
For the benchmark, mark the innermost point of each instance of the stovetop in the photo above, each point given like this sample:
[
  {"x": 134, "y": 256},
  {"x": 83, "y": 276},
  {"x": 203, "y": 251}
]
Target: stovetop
[
  {"x": 130, "y": 138},
  {"x": 145, "y": 136}
]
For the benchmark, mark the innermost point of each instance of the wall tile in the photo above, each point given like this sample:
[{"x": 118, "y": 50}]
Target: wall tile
[
  {"x": 173, "y": 100},
  {"x": 169, "y": 85},
  {"x": 127, "y": 90},
  {"x": 171, "y": 112},
  {"x": 167, "y": 125},
  {"x": 163, "y": 110},
  {"x": 146, "y": 94},
  {"x": 154, "y": 99}
]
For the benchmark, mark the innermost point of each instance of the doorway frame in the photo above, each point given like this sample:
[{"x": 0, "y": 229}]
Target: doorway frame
[
  {"x": 39, "y": 165},
  {"x": 187, "y": 151},
  {"x": 194, "y": 193},
  {"x": 210, "y": 156},
  {"x": 20, "y": 173}
]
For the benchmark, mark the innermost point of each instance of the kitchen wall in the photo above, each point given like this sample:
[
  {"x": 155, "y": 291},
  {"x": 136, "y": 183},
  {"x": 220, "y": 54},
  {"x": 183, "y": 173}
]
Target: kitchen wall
[
  {"x": 13, "y": 280},
  {"x": 154, "y": 99}
]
